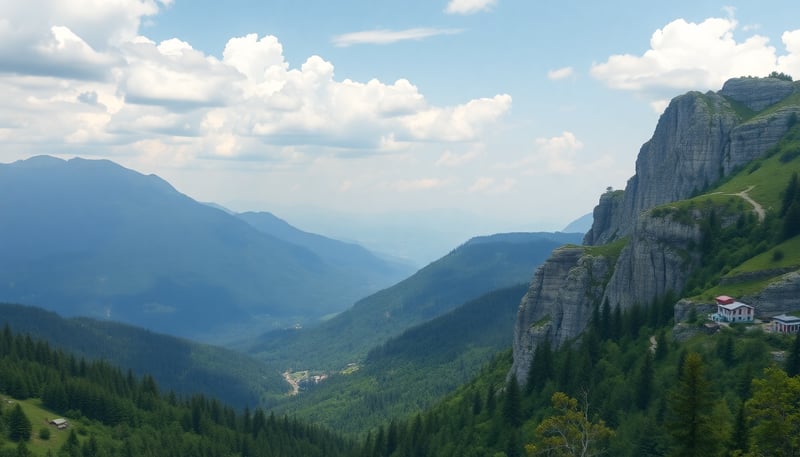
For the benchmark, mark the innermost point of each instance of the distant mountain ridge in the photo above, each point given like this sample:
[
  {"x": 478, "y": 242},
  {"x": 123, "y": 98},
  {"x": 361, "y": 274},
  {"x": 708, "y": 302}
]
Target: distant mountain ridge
[
  {"x": 344, "y": 254},
  {"x": 89, "y": 237}
]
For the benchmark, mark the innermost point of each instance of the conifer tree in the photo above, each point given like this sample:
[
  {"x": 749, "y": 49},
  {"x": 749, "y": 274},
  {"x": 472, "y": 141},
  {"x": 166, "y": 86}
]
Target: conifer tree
[
  {"x": 644, "y": 382},
  {"x": 512, "y": 406},
  {"x": 691, "y": 421},
  {"x": 19, "y": 426},
  {"x": 793, "y": 358}
]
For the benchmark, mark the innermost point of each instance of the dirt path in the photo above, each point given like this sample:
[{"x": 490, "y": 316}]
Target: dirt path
[
  {"x": 756, "y": 206},
  {"x": 287, "y": 376}
]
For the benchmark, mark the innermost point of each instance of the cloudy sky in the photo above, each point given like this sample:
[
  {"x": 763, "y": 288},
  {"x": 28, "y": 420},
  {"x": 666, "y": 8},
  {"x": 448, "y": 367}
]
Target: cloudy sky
[{"x": 517, "y": 112}]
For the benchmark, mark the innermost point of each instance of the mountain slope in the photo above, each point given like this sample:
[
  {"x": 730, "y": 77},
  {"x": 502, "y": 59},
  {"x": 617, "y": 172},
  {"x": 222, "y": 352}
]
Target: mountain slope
[
  {"x": 177, "y": 364},
  {"x": 481, "y": 265},
  {"x": 410, "y": 372},
  {"x": 87, "y": 237}
]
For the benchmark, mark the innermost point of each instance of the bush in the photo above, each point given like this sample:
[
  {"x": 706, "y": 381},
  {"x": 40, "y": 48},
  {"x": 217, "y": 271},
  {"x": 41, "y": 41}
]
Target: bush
[
  {"x": 44, "y": 433},
  {"x": 777, "y": 255}
]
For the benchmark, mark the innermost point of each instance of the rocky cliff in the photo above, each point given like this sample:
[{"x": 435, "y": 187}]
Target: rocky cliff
[{"x": 700, "y": 139}]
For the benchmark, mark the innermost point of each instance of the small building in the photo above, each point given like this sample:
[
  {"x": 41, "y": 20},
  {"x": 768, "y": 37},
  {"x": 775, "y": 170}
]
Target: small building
[
  {"x": 60, "y": 423},
  {"x": 729, "y": 310},
  {"x": 785, "y": 324}
]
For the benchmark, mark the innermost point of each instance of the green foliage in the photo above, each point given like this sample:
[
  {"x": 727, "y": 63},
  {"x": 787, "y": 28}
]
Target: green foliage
[
  {"x": 691, "y": 420},
  {"x": 793, "y": 358},
  {"x": 19, "y": 426},
  {"x": 774, "y": 415},
  {"x": 111, "y": 413},
  {"x": 780, "y": 75},
  {"x": 44, "y": 433},
  {"x": 412, "y": 371},
  {"x": 570, "y": 432}
]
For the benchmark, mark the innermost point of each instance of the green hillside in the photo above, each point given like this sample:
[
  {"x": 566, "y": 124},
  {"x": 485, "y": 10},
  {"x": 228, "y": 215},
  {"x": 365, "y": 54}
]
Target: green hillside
[
  {"x": 177, "y": 364},
  {"x": 408, "y": 373},
  {"x": 113, "y": 414},
  {"x": 473, "y": 269}
]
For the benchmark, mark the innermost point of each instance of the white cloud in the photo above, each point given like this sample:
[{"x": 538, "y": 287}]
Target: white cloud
[
  {"x": 695, "y": 56},
  {"x": 389, "y": 36},
  {"x": 452, "y": 159},
  {"x": 91, "y": 81},
  {"x": 560, "y": 73},
  {"x": 469, "y": 6},
  {"x": 418, "y": 184},
  {"x": 556, "y": 155},
  {"x": 492, "y": 186}
]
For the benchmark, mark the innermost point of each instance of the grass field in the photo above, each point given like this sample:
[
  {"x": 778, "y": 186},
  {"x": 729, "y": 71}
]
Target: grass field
[{"x": 40, "y": 418}]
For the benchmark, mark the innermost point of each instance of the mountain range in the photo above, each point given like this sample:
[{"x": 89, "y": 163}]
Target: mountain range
[{"x": 91, "y": 238}]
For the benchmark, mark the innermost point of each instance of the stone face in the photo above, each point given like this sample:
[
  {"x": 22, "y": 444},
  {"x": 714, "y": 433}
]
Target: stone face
[
  {"x": 698, "y": 140},
  {"x": 658, "y": 259},
  {"x": 779, "y": 297},
  {"x": 558, "y": 304},
  {"x": 757, "y": 93}
]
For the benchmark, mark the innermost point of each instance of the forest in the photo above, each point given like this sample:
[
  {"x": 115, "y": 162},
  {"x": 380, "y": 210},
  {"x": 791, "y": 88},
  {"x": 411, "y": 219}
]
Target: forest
[{"x": 112, "y": 413}]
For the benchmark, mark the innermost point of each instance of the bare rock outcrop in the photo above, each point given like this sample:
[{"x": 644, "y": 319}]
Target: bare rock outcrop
[
  {"x": 779, "y": 297},
  {"x": 558, "y": 304},
  {"x": 658, "y": 259}
]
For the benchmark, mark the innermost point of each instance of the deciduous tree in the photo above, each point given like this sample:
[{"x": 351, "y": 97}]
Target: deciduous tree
[{"x": 570, "y": 432}]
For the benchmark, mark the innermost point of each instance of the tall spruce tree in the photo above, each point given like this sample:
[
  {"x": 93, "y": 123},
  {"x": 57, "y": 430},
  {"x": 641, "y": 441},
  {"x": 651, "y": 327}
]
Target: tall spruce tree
[
  {"x": 19, "y": 426},
  {"x": 793, "y": 358},
  {"x": 691, "y": 419},
  {"x": 512, "y": 405}
]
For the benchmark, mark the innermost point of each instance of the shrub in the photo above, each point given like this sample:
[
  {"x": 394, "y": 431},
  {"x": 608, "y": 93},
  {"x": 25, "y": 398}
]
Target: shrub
[
  {"x": 44, "y": 433},
  {"x": 777, "y": 255}
]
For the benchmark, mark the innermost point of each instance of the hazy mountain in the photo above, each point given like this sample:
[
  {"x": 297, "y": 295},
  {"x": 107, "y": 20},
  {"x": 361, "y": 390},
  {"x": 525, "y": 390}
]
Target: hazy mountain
[
  {"x": 581, "y": 224},
  {"x": 349, "y": 256},
  {"x": 89, "y": 237},
  {"x": 479, "y": 266}
]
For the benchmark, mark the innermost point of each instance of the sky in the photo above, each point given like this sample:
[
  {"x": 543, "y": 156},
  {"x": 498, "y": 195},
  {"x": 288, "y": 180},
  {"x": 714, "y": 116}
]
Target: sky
[{"x": 475, "y": 115}]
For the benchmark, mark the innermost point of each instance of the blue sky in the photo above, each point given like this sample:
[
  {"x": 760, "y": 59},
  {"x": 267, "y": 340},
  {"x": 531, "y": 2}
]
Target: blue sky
[{"x": 507, "y": 115}]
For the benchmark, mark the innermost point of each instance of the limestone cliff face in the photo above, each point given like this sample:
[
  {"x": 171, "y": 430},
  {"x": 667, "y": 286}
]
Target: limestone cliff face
[
  {"x": 699, "y": 139},
  {"x": 658, "y": 259},
  {"x": 558, "y": 303}
]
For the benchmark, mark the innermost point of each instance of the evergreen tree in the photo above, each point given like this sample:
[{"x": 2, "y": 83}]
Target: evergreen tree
[
  {"x": 541, "y": 367},
  {"x": 512, "y": 405},
  {"x": 793, "y": 358},
  {"x": 491, "y": 401},
  {"x": 790, "y": 195},
  {"x": 691, "y": 421},
  {"x": 644, "y": 381},
  {"x": 662, "y": 347},
  {"x": 19, "y": 426}
]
